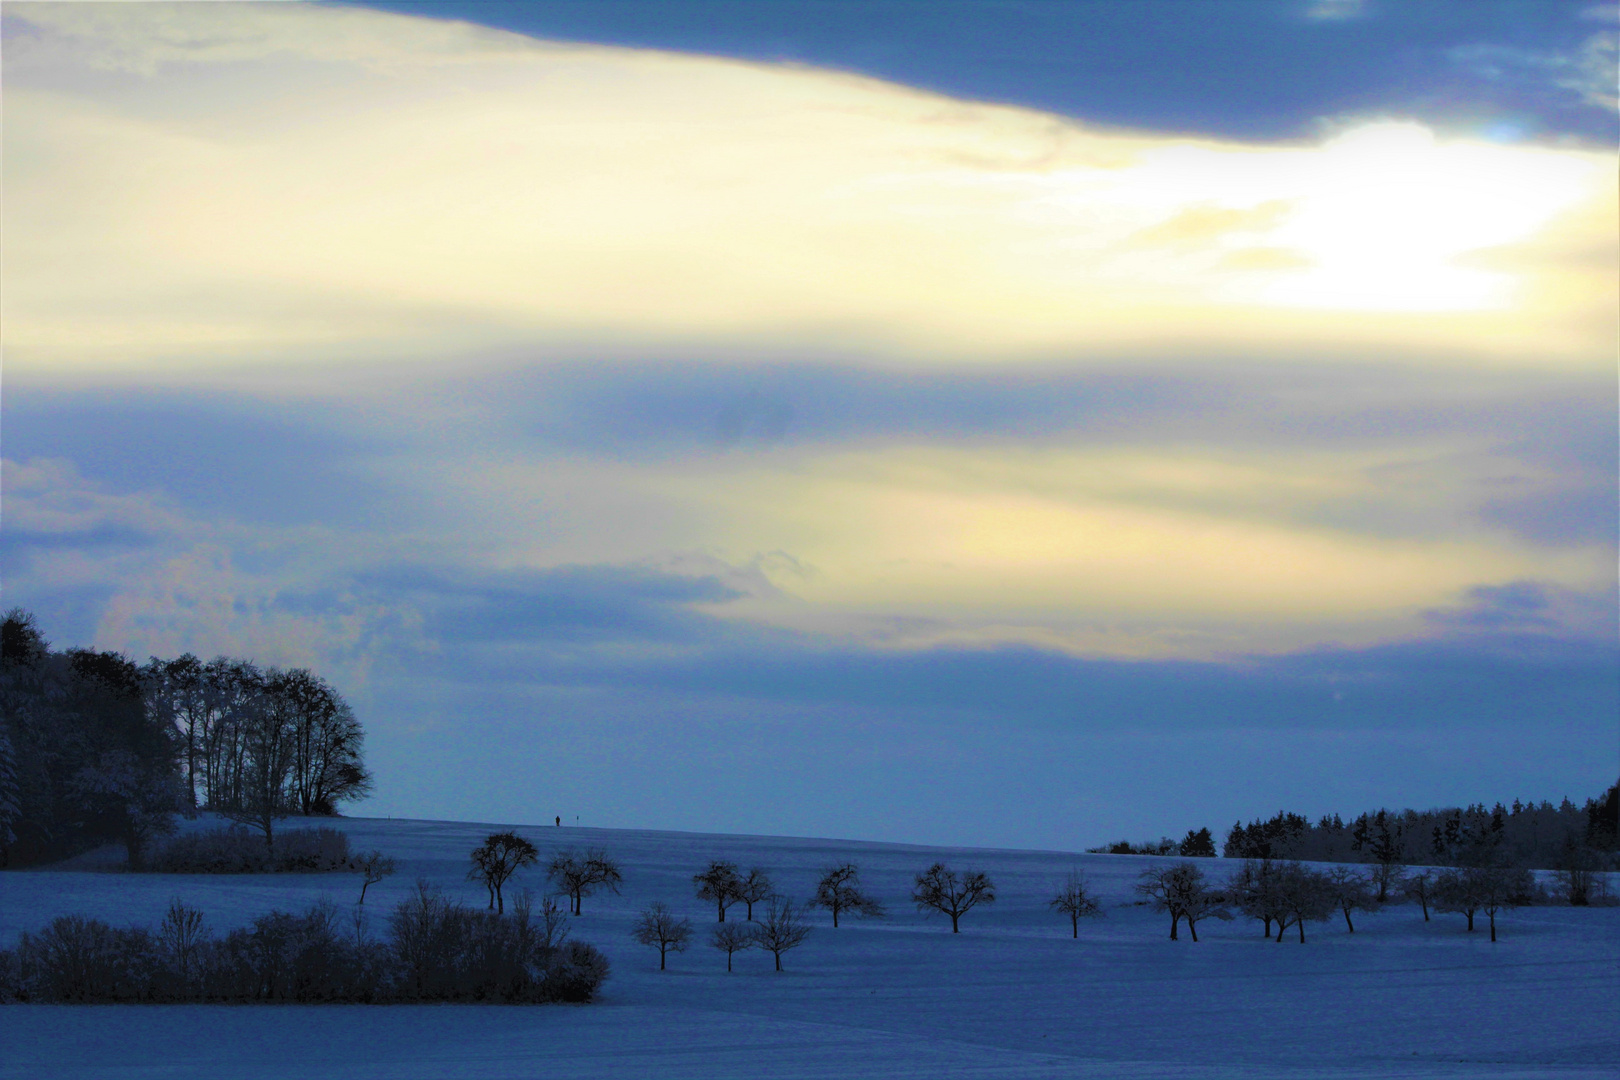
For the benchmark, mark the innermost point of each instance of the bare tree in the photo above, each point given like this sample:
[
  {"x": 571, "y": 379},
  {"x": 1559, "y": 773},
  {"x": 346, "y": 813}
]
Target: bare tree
[
  {"x": 1254, "y": 888},
  {"x": 373, "y": 867},
  {"x": 754, "y": 887},
  {"x": 1503, "y": 887},
  {"x": 182, "y": 935},
  {"x": 782, "y": 927},
  {"x": 731, "y": 938},
  {"x": 265, "y": 759},
  {"x": 839, "y": 890},
  {"x": 1180, "y": 890},
  {"x": 581, "y": 875},
  {"x": 1482, "y": 888},
  {"x": 1420, "y": 887},
  {"x": 720, "y": 885},
  {"x": 1385, "y": 878},
  {"x": 1578, "y": 873},
  {"x": 1074, "y": 899},
  {"x": 1454, "y": 891},
  {"x": 938, "y": 888},
  {"x": 658, "y": 927},
  {"x": 499, "y": 857},
  {"x": 1351, "y": 892},
  {"x": 1303, "y": 895}
]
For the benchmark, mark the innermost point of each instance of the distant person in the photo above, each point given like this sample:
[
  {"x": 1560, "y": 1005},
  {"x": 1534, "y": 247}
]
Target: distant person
[{"x": 559, "y": 821}]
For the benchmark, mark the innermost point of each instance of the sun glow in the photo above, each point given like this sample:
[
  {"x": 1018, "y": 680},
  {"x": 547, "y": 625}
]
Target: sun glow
[{"x": 483, "y": 190}]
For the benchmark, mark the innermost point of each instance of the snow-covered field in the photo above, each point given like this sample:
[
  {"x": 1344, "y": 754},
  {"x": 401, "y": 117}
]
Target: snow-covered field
[{"x": 1012, "y": 996}]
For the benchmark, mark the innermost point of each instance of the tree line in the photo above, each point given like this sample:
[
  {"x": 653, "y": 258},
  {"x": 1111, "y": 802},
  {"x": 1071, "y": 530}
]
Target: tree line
[
  {"x": 1290, "y": 894},
  {"x": 95, "y": 748},
  {"x": 1538, "y": 836}
]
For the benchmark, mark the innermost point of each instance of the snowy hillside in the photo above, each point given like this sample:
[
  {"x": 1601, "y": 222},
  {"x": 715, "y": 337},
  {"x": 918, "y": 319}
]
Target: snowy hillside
[{"x": 1012, "y": 996}]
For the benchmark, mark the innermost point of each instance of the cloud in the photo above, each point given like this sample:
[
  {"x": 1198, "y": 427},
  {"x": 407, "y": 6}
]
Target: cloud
[
  {"x": 195, "y": 185},
  {"x": 1585, "y": 76},
  {"x": 1335, "y": 10}
]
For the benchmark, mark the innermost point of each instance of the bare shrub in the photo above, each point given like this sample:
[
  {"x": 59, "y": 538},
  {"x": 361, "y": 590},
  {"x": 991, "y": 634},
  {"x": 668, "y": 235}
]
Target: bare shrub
[
  {"x": 235, "y": 851},
  {"x": 437, "y": 951}
]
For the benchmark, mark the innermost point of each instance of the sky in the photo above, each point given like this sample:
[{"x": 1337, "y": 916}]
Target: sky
[{"x": 981, "y": 423}]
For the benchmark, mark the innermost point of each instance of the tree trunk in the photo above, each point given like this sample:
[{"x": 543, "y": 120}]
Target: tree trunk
[
  {"x": 728, "y": 963},
  {"x": 778, "y": 961},
  {"x": 1175, "y": 921},
  {"x": 1492, "y": 916},
  {"x": 835, "y": 916},
  {"x": 721, "y": 904},
  {"x": 1302, "y": 931},
  {"x": 660, "y": 958},
  {"x": 1423, "y": 902},
  {"x": 1192, "y": 928},
  {"x": 954, "y": 917},
  {"x": 1347, "y": 922},
  {"x": 1267, "y": 920},
  {"x": 1470, "y": 915},
  {"x": 1076, "y": 920}
]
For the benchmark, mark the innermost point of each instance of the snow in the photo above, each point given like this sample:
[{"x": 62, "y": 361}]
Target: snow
[{"x": 1011, "y": 996}]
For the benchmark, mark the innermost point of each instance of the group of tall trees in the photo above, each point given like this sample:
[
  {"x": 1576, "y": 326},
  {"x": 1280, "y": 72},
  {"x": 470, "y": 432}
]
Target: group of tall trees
[
  {"x": 1528, "y": 834},
  {"x": 95, "y": 748}
]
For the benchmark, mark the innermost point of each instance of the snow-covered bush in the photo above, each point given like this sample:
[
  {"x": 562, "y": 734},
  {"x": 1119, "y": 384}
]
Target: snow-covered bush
[
  {"x": 233, "y": 851},
  {"x": 438, "y": 951}
]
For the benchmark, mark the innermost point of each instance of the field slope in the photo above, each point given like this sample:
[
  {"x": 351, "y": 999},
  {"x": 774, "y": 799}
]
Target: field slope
[{"x": 1011, "y": 996}]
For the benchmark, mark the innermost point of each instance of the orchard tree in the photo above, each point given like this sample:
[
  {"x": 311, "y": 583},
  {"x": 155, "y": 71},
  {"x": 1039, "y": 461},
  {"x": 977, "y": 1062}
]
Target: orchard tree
[
  {"x": 579, "y": 876},
  {"x": 752, "y": 888},
  {"x": 940, "y": 889},
  {"x": 1420, "y": 887},
  {"x": 1502, "y": 887},
  {"x": 783, "y": 926},
  {"x": 732, "y": 938},
  {"x": 1075, "y": 900},
  {"x": 373, "y": 867},
  {"x": 1455, "y": 891},
  {"x": 1351, "y": 892},
  {"x": 1255, "y": 889},
  {"x": 720, "y": 885},
  {"x": 657, "y": 926},
  {"x": 1303, "y": 895},
  {"x": 1490, "y": 889},
  {"x": 494, "y": 862},
  {"x": 1181, "y": 890},
  {"x": 839, "y": 890}
]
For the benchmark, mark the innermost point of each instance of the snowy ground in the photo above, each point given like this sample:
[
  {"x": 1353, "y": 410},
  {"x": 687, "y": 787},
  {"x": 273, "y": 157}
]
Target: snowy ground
[{"x": 1011, "y": 996}]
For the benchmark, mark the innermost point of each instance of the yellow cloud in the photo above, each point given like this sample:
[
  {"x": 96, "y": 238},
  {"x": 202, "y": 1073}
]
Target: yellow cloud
[
  {"x": 1160, "y": 552},
  {"x": 325, "y": 184}
]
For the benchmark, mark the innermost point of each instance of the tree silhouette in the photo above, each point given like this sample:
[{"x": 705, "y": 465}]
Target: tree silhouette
[
  {"x": 940, "y": 889},
  {"x": 1074, "y": 899},
  {"x": 499, "y": 857},
  {"x": 581, "y": 875},
  {"x": 840, "y": 890},
  {"x": 657, "y": 926}
]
